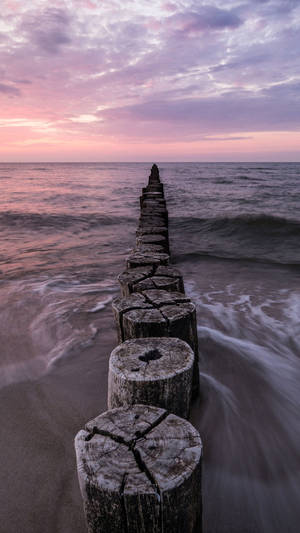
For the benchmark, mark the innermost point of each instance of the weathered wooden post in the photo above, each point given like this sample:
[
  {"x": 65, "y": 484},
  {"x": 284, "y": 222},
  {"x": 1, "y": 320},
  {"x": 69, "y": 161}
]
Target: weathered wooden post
[
  {"x": 153, "y": 220},
  {"x": 171, "y": 272},
  {"x": 146, "y": 228},
  {"x": 150, "y": 277},
  {"x": 148, "y": 247},
  {"x": 154, "y": 176},
  {"x": 157, "y": 187},
  {"x": 154, "y": 211},
  {"x": 139, "y": 470},
  {"x": 147, "y": 258},
  {"x": 154, "y": 196},
  {"x": 152, "y": 201},
  {"x": 154, "y": 238},
  {"x": 154, "y": 371}
]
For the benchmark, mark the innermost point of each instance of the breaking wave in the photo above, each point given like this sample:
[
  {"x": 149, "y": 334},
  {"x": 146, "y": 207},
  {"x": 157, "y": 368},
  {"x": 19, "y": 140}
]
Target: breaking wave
[{"x": 253, "y": 237}]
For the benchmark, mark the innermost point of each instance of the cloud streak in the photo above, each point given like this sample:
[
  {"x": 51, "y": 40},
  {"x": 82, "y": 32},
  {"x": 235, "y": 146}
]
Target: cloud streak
[{"x": 269, "y": 110}]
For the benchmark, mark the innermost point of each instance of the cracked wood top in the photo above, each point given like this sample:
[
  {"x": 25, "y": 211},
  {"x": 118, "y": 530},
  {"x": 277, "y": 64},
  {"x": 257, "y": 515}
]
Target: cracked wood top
[
  {"x": 147, "y": 258},
  {"x": 156, "y": 313},
  {"x": 141, "y": 273},
  {"x": 137, "y": 449},
  {"x": 154, "y": 298},
  {"x": 154, "y": 358}
]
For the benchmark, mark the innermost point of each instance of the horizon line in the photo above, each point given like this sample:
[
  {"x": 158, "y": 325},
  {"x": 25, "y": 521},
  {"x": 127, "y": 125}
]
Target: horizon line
[{"x": 141, "y": 162}]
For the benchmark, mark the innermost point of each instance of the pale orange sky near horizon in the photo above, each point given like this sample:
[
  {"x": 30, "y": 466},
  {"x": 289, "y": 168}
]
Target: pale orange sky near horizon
[
  {"x": 125, "y": 81},
  {"x": 260, "y": 147}
]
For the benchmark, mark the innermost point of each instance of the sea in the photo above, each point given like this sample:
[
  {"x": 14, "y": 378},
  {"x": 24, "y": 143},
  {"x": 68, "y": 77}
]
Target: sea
[{"x": 66, "y": 229}]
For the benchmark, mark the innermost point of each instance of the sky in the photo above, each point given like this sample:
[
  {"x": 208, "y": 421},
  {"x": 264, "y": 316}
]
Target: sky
[{"x": 134, "y": 80}]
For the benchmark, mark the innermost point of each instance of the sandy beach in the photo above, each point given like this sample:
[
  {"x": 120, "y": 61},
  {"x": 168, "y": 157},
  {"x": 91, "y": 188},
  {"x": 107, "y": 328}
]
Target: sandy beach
[{"x": 39, "y": 489}]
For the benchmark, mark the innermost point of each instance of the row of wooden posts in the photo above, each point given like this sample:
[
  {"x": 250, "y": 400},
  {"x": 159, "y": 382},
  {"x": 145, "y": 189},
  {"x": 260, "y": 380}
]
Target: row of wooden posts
[{"x": 139, "y": 463}]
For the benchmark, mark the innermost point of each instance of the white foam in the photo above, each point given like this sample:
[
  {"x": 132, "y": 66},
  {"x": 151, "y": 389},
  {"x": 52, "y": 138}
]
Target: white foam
[
  {"x": 61, "y": 284},
  {"x": 224, "y": 392},
  {"x": 101, "y": 305}
]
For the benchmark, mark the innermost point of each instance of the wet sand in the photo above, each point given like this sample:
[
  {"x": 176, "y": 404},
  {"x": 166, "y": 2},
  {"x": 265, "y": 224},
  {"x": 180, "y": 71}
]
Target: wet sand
[{"x": 39, "y": 491}]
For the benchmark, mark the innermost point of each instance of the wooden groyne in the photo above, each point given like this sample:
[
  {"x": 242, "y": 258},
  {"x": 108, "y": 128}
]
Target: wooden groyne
[{"x": 139, "y": 463}]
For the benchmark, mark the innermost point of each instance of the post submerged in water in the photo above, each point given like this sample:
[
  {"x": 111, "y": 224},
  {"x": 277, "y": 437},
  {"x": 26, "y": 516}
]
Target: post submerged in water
[{"x": 156, "y": 371}]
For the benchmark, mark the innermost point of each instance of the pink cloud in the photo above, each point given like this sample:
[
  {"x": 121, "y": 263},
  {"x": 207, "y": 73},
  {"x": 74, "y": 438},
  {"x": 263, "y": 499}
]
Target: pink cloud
[
  {"x": 89, "y": 4},
  {"x": 169, "y": 6},
  {"x": 9, "y": 89}
]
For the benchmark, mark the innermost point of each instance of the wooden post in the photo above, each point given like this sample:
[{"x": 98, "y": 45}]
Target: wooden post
[
  {"x": 146, "y": 258},
  {"x": 151, "y": 282},
  {"x": 152, "y": 220},
  {"x": 162, "y": 314},
  {"x": 155, "y": 196},
  {"x": 122, "y": 305},
  {"x": 154, "y": 371},
  {"x": 139, "y": 471},
  {"x": 152, "y": 209},
  {"x": 171, "y": 272},
  {"x": 153, "y": 239},
  {"x": 149, "y": 247},
  {"x": 157, "y": 213},
  {"x": 150, "y": 277},
  {"x": 153, "y": 204},
  {"x": 154, "y": 173},
  {"x": 158, "y": 187},
  {"x": 130, "y": 277},
  {"x": 150, "y": 201},
  {"x": 147, "y": 229}
]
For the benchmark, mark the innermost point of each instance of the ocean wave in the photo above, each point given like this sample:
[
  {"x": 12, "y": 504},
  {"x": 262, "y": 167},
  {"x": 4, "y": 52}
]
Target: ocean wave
[
  {"x": 63, "y": 221},
  {"x": 260, "y": 238},
  {"x": 223, "y": 255},
  {"x": 267, "y": 224}
]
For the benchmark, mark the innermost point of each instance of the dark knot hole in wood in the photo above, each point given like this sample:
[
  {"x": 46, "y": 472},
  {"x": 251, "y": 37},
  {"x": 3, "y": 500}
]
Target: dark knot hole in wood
[{"x": 152, "y": 355}]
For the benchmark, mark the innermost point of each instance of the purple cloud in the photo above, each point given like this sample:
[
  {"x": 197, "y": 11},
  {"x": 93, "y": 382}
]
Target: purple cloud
[
  {"x": 9, "y": 89},
  {"x": 275, "y": 109},
  {"x": 23, "y": 82},
  {"x": 272, "y": 9},
  {"x": 49, "y": 29},
  {"x": 205, "y": 18}
]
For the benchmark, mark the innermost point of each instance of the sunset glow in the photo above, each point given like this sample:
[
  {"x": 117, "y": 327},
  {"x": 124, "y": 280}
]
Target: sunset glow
[{"x": 187, "y": 80}]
